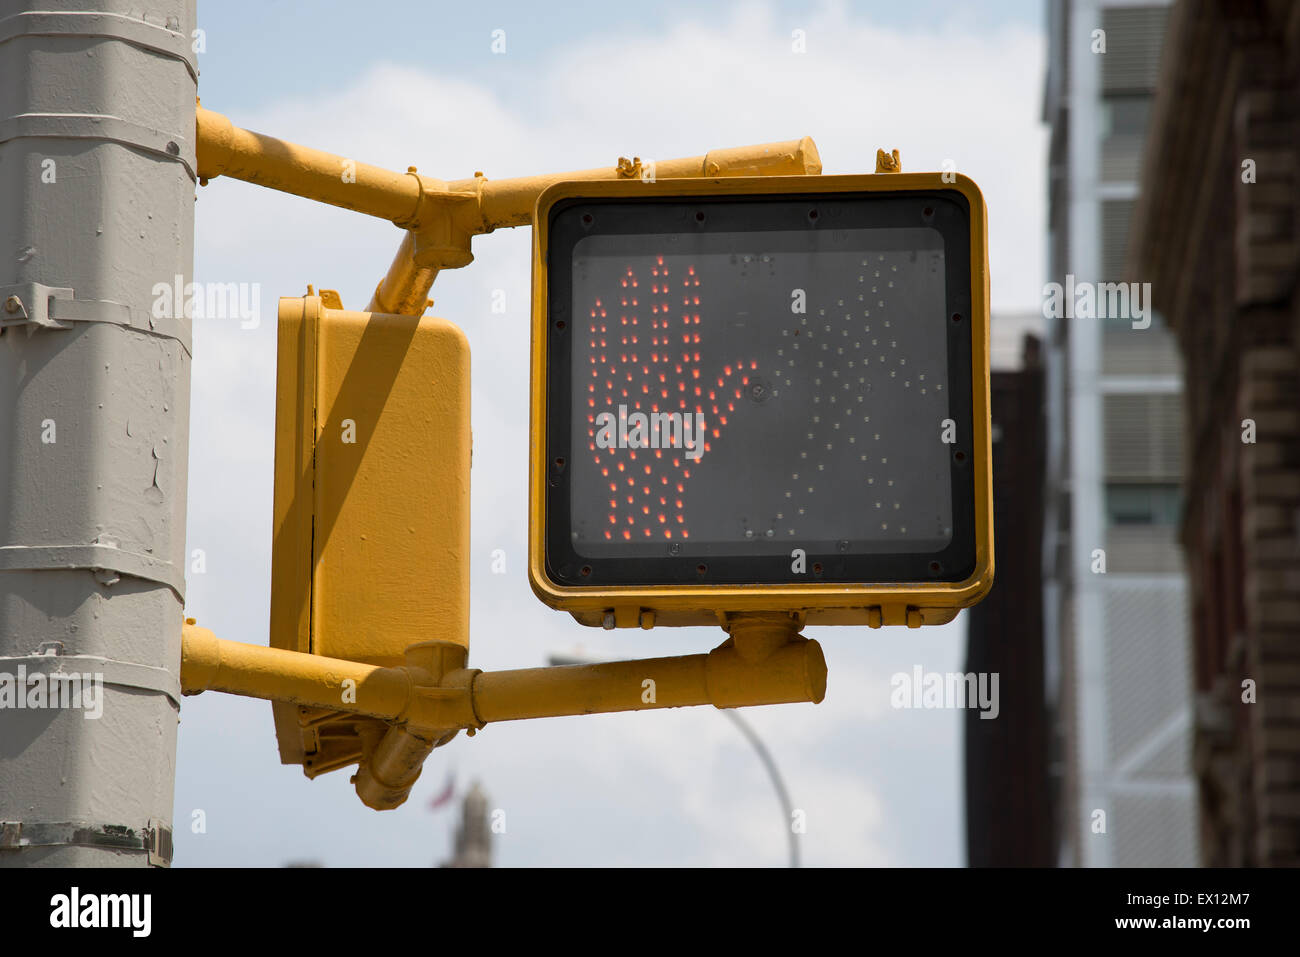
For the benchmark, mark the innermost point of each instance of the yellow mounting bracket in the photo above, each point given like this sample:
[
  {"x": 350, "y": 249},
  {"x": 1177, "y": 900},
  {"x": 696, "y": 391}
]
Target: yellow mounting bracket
[
  {"x": 441, "y": 217},
  {"x": 425, "y": 701}
]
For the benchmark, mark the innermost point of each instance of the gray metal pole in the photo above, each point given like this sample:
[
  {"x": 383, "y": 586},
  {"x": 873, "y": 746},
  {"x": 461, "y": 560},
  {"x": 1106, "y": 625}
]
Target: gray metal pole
[
  {"x": 96, "y": 240},
  {"x": 764, "y": 755},
  {"x": 774, "y": 773}
]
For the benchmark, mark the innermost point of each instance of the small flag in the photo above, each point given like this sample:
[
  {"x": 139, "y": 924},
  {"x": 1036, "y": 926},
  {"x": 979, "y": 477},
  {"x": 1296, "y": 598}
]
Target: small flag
[{"x": 445, "y": 795}]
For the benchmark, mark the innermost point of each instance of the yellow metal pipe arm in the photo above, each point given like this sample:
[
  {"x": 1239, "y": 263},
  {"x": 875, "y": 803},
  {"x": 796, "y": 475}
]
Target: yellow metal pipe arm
[
  {"x": 255, "y": 671},
  {"x": 510, "y": 202},
  {"x": 732, "y": 675},
  {"x": 443, "y": 216},
  {"x": 413, "y": 200},
  {"x": 431, "y": 697},
  {"x": 224, "y": 149},
  {"x": 724, "y": 678}
]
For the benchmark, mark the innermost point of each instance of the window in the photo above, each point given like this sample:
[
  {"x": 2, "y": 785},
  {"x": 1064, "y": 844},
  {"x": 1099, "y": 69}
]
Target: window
[{"x": 1143, "y": 504}]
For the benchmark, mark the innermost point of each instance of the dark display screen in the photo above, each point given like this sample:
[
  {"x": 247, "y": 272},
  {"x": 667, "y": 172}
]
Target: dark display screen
[{"x": 736, "y": 394}]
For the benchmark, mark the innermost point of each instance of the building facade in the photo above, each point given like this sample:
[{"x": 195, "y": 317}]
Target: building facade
[
  {"x": 1115, "y": 602},
  {"x": 1008, "y": 814},
  {"x": 1217, "y": 232}
]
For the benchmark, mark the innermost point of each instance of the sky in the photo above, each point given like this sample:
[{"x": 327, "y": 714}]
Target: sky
[{"x": 420, "y": 85}]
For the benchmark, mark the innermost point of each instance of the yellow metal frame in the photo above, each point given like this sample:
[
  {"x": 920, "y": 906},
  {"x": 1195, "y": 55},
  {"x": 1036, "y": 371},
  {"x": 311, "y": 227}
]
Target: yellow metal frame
[{"x": 629, "y": 606}]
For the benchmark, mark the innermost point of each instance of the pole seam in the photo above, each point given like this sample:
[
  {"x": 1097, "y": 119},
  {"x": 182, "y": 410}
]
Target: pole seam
[
  {"x": 104, "y": 127},
  {"x": 110, "y": 26},
  {"x": 124, "y": 674},
  {"x": 92, "y": 557}
]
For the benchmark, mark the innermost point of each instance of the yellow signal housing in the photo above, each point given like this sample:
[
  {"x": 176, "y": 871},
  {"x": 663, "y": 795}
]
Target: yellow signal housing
[
  {"x": 649, "y": 587},
  {"x": 372, "y": 480}
]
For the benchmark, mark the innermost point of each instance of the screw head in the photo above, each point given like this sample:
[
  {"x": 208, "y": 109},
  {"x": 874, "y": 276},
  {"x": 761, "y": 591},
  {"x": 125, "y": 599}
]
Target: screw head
[{"x": 12, "y": 304}]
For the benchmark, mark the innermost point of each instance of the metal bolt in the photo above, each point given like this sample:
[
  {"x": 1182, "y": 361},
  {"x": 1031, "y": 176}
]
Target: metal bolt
[{"x": 12, "y": 304}]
